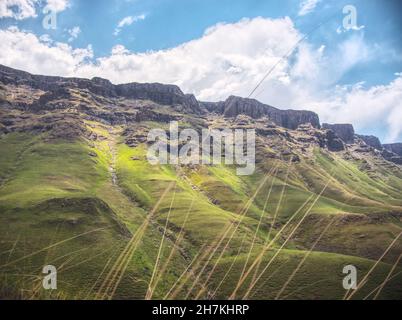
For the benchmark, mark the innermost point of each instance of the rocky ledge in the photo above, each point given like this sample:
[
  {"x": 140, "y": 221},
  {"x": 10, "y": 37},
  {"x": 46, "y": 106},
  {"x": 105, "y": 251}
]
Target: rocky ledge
[
  {"x": 344, "y": 131},
  {"x": 159, "y": 93},
  {"x": 372, "y": 141},
  {"x": 289, "y": 119},
  {"x": 394, "y": 148},
  {"x": 40, "y": 96},
  {"x": 156, "y": 92}
]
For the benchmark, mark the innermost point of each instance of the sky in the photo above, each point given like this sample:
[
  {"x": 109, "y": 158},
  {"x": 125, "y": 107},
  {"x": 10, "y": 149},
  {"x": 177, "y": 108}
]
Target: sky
[{"x": 341, "y": 59}]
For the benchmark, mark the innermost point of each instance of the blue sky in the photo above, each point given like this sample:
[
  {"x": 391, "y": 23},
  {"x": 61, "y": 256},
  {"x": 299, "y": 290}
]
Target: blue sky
[{"x": 157, "y": 41}]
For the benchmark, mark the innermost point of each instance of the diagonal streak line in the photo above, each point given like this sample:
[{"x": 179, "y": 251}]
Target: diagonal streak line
[
  {"x": 258, "y": 227},
  {"x": 388, "y": 277},
  {"x": 269, "y": 263},
  {"x": 115, "y": 274},
  {"x": 287, "y": 54},
  {"x": 215, "y": 245},
  {"x": 186, "y": 273},
  {"x": 230, "y": 268},
  {"x": 385, "y": 282},
  {"x": 304, "y": 259},
  {"x": 150, "y": 287},
  {"x": 268, "y": 245},
  {"x": 136, "y": 242},
  {"x": 175, "y": 246},
  {"x": 250, "y": 202},
  {"x": 271, "y": 226},
  {"x": 364, "y": 280},
  {"x": 53, "y": 245}
]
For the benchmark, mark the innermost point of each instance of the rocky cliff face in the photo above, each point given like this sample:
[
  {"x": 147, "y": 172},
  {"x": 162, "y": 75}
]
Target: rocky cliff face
[
  {"x": 290, "y": 119},
  {"x": 394, "y": 147},
  {"x": 344, "y": 131},
  {"x": 156, "y": 92},
  {"x": 372, "y": 141},
  {"x": 334, "y": 143},
  {"x": 161, "y": 94},
  {"x": 52, "y": 104}
]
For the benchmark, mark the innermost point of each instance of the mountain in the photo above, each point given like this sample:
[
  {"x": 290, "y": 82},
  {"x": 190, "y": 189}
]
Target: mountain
[
  {"x": 77, "y": 192},
  {"x": 396, "y": 148}
]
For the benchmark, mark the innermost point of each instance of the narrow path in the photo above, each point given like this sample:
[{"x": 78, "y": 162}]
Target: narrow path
[
  {"x": 112, "y": 166},
  {"x": 127, "y": 205}
]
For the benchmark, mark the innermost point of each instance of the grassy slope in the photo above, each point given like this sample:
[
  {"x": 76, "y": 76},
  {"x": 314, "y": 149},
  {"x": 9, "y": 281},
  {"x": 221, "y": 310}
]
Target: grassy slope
[
  {"x": 319, "y": 277},
  {"x": 55, "y": 191}
]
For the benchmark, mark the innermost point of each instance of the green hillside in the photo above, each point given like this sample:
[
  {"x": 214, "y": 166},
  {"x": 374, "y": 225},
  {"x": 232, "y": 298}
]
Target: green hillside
[{"x": 78, "y": 204}]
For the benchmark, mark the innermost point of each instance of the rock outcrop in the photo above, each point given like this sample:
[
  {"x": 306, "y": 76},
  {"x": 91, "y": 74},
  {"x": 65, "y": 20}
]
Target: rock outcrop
[
  {"x": 156, "y": 92},
  {"x": 57, "y": 106},
  {"x": 56, "y": 87},
  {"x": 289, "y": 119},
  {"x": 333, "y": 142},
  {"x": 345, "y": 132},
  {"x": 394, "y": 147},
  {"x": 391, "y": 156},
  {"x": 372, "y": 141}
]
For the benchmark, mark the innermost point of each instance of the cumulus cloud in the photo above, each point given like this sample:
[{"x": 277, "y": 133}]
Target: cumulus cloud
[
  {"x": 57, "y": 5},
  {"x": 18, "y": 9},
  {"x": 127, "y": 21},
  {"x": 23, "y": 9},
  {"x": 307, "y": 6},
  {"x": 231, "y": 59},
  {"x": 227, "y": 59},
  {"x": 366, "y": 108},
  {"x": 24, "y": 50},
  {"x": 74, "y": 33}
]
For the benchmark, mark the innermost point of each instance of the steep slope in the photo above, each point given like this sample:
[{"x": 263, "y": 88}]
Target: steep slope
[{"x": 77, "y": 191}]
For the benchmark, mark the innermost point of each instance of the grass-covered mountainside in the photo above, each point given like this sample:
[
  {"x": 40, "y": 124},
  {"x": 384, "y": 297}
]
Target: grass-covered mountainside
[{"x": 77, "y": 192}]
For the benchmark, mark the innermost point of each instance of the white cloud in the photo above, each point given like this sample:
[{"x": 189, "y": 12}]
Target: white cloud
[
  {"x": 119, "y": 50},
  {"x": 340, "y": 29},
  {"x": 366, "y": 108},
  {"x": 231, "y": 59},
  {"x": 307, "y": 6},
  {"x": 18, "y": 9},
  {"x": 74, "y": 33},
  {"x": 57, "y": 5},
  {"x": 127, "y": 21},
  {"x": 228, "y": 59},
  {"x": 24, "y": 50},
  {"x": 23, "y": 9},
  {"x": 46, "y": 38}
]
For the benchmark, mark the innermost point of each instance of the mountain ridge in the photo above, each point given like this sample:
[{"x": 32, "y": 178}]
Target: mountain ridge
[
  {"x": 161, "y": 93},
  {"x": 55, "y": 88},
  {"x": 77, "y": 191}
]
